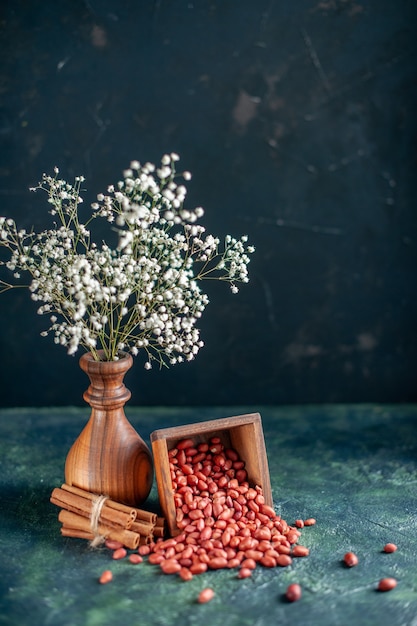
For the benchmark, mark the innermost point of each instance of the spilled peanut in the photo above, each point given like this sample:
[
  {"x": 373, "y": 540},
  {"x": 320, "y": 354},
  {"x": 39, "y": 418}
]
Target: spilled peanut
[
  {"x": 390, "y": 547},
  {"x": 205, "y": 596},
  {"x": 293, "y": 592},
  {"x": 105, "y": 577},
  {"x": 386, "y": 584},
  {"x": 350, "y": 559}
]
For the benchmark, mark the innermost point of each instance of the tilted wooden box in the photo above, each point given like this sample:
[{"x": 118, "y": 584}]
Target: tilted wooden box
[{"x": 242, "y": 432}]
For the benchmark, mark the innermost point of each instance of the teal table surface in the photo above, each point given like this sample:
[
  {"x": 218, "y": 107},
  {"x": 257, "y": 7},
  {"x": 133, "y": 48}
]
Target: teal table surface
[{"x": 353, "y": 468}]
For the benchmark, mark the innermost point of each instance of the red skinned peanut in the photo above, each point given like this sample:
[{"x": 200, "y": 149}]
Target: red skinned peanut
[
  {"x": 293, "y": 592},
  {"x": 105, "y": 577},
  {"x": 386, "y": 584},
  {"x": 205, "y": 595}
]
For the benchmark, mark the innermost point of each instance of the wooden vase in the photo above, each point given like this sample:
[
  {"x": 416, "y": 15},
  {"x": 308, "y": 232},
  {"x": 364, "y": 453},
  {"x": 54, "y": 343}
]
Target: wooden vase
[{"x": 109, "y": 457}]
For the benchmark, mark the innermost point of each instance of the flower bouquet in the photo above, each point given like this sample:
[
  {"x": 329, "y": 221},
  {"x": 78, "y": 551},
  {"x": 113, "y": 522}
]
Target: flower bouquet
[{"x": 143, "y": 294}]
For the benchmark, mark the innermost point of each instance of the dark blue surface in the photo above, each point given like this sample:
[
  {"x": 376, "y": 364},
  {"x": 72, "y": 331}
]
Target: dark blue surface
[
  {"x": 353, "y": 468},
  {"x": 298, "y": 122}
]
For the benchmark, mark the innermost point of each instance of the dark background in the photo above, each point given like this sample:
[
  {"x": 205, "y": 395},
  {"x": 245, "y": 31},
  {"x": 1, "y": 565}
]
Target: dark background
[{"x": 298, "y": 121}]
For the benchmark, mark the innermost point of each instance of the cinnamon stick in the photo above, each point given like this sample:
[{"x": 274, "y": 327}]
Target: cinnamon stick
[
  {"x": 146, "y": 516},
  {"x": 66, "y": 531},
  {"x": 159, "y": 531},
  {"x": 142, "y": 528},
  {"x": 112, "y": 504},
  {"x": 128, "y": 538},
  {"x": 84, "y": 506}
]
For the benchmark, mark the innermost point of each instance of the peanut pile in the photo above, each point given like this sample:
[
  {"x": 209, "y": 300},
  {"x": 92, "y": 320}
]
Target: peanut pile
[{"x": 223, "y": 521}]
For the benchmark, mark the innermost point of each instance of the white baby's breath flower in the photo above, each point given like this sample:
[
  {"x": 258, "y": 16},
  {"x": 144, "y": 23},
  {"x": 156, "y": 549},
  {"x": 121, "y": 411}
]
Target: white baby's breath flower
[{"x": 143, "y": 296}]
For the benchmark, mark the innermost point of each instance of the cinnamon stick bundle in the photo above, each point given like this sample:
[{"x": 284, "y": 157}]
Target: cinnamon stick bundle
[{"x": 88, "y": 516}]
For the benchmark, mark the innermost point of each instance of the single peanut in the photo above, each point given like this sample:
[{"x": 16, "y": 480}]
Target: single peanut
[
  {"x": 135, "y": 558},
  {"x": 386, "y": 584},
  {"x": 185, "y": 574},
  {"x": 244, "y": 572},
  {"x": 120, "y": 553},
  {"x": 198, "y": 568},
  {"x": 184, "y": 444},
  {"x": 205, "y": 596},
  {"x": 105, "y": 577},
  {"x": 300, "y": 551},
  {"x": 292, "y": 537},
  {"x": 350, "y": 559},
  {"x": 217, "y": 562},
  {"x": 170, "y": 566},
  {"x": 293, "y": 592},
  {"x": 390, "y": 547},
  {"x": 156, "y": 559},
  {"x": 284, "y": 560},
  {"x": 268, "y": 561}
]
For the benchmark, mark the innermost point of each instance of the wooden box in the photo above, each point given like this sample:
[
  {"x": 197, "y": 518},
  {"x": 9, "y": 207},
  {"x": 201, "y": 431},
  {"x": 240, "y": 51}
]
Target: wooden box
[{"x": 243, "y": 433}]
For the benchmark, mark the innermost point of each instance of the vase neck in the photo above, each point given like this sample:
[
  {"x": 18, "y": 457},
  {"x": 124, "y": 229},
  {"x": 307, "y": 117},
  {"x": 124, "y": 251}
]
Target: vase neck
[{"x": 107, "y": 389}]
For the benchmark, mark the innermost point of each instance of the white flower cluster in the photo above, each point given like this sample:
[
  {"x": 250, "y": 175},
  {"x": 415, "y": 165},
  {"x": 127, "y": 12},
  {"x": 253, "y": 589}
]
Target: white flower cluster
[{"x": 145, "y": 293}]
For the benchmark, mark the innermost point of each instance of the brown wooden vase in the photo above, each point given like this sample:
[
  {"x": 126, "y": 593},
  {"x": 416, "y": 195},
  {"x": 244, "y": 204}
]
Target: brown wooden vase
[{"x": 109, "y": 457}]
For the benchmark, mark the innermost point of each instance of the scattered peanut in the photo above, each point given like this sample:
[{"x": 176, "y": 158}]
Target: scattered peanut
[
  {"x": 293, "y": 592},
  {"x": 386, "y": 584},
  {"x": 105, "y": 577},
  {"x": 244, "y": 572},
  {"x": 350, "y": 559},
  {"x": 120, "y": 553},
  {"x": 300, "y": 551},
  {"x": 390, "y": 547},
  {"x": 309, "y": 522},
  {"x": 135, "y": 558},
  {"x": 205, "y": 596}
]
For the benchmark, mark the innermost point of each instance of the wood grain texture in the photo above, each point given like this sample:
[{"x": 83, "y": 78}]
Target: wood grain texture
[
  {"x": 109, "y": 456},
  {"x": 244, "y": 433}
]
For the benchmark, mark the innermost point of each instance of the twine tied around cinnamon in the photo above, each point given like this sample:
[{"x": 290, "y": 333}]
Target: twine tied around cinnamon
[{"x": 97, "y": 506}]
